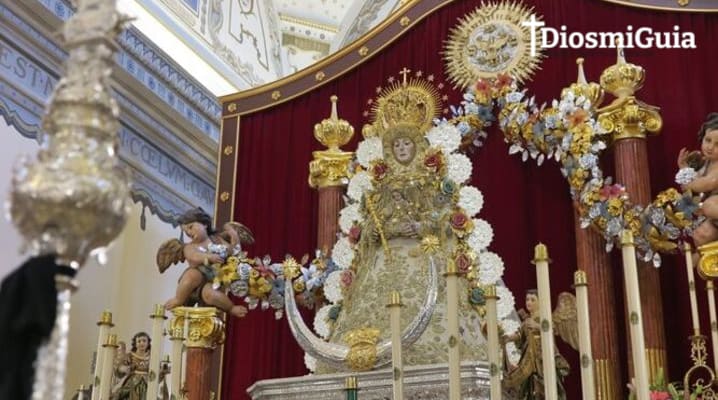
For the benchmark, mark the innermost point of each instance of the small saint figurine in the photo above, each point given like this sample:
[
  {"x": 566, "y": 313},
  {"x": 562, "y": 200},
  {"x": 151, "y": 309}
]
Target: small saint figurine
[
  {"x": 526, "y": 378},
  {"x": 132, "y": 371},
  {"x": 205, "y": 254},
  {"x": 699, "y": 174}
]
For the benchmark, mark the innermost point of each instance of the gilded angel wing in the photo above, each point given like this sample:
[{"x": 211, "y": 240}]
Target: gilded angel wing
[
  {"x": 171, "y": 252},
  {"x": 565, "y": 319},
  {"x": 245, "y": 235}
]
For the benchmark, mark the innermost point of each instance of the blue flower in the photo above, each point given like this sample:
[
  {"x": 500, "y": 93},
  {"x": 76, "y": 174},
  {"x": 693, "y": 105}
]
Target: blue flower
[
  {"x": 448, "y": 186},
  {"x": 485, "y": 113}
]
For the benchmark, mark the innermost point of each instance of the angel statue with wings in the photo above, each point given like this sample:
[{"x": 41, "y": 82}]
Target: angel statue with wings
[
  {"x": 527, "y": 376},
  {"x": 209, "y": 256}
]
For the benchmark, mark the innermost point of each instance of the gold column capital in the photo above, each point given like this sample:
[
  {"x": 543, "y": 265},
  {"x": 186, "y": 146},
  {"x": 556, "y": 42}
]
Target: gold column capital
[
  {"x": 329, "y": 167},
  {"x": 204, "y": 327},
  {"x": 708, "y": 262}
]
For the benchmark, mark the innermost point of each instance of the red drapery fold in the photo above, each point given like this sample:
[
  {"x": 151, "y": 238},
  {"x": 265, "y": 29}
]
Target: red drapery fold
[{"x": 525, "y": 204}]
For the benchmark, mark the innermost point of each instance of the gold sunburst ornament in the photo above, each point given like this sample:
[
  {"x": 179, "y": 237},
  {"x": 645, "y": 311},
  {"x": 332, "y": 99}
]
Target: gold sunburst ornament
[{"x": 490, "y": 41}]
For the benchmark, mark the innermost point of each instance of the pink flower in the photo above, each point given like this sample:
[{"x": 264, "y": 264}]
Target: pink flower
[
  {"x": 347, "y": 277},
  {"x": 611, "y": 191},
  {"x": 656, "y": 395}
]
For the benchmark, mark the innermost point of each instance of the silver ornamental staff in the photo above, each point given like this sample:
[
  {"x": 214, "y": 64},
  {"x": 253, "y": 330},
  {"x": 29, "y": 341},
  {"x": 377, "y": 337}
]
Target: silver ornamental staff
[
  {"x": 635, "y": 316},
  {"x": 105, "y": 323},
  {"x": 547, "y": 341},
  {"x": 492, "y": 328},
  {"x": 396, "y": 361},
  {"x": 153, "y": 385},
  {"x": 584, "y": 335}
]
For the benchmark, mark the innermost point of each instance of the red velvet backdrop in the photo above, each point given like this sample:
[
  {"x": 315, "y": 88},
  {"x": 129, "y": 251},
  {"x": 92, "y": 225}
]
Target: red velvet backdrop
[{"x": 525, "y": 203}]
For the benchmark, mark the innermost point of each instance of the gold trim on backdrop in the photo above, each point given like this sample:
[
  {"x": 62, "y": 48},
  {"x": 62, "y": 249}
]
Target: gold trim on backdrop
[
  {"x": 678, "y": 7},
  {"x": 606, "y": 388},
  {"x": 332, "y": 58},
  {"x": 234, "y": 170},
  {"x": 657, "y": 360}
]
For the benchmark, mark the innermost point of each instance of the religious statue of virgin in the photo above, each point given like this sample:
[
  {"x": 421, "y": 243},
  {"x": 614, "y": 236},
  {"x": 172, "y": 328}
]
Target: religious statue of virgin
[{"x": 408, "y": 216}]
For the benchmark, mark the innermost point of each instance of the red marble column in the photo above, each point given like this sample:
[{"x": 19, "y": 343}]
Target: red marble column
[
  {"x": 631, "y": 160},
  {"x": 198, "y": 382},
  {"x": 330, "y": 202},
  {"x": 596, "y": 262}
]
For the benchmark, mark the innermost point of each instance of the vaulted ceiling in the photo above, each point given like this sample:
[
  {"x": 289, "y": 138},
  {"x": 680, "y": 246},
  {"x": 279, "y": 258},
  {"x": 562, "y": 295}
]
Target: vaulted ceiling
[{"x": 232, "y": 45}]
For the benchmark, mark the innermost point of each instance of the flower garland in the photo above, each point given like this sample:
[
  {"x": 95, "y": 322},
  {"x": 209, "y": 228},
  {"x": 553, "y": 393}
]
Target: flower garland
[{"x": 568, "y": 131}]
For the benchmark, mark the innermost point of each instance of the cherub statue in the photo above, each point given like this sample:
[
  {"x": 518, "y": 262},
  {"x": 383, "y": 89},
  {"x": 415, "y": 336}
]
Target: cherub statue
[
  {"x": 527, "y": 376},
  {"x": 205, "y": 254},
  {"x": 699, "y": 174}
]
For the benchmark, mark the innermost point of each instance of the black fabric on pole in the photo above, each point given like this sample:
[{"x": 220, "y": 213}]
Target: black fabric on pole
[{"x": 28, "y": 306}]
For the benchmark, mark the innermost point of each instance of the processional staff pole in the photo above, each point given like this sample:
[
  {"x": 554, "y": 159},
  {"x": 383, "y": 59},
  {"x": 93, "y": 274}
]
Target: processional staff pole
[
  {"x": 548, "y": 355},
  {"x": 452, "y": 310},
  {"x": 158, "y": 318},
  {"x": 584, "y": 336},
  {"x": 394, "y": 307},
  {"x": 630, "y": 121}
]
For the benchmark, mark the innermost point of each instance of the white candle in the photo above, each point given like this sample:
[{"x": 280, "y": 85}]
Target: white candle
[
  {"x": 492, "y": 328},
  {"x": 692, "y": 290},
  {"x": 452, "y": 299},
  {"x": 547, "y": 341},
  {"x": 177, "y": 339},
  {"x": 105, "y": 323},
  {"x": 635, "y": 316},
  {"x": 108, "y": 365},
  {"x": 714, "y": 325},
  {"x": 153, "y": 383},
  {"x": 396, "y": 360},
  {"x": 584, "y": 336}
]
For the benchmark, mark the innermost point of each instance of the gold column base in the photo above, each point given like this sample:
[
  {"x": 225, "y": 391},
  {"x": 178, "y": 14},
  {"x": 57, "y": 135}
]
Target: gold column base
[
  {"x": 607, "y": 388},
  {"x": 657, "y": 360}
]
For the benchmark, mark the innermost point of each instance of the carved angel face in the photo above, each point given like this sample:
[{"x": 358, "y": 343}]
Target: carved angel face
[
  {"x": 196, "y": 231},
  {"x": 404, "y": 149}
]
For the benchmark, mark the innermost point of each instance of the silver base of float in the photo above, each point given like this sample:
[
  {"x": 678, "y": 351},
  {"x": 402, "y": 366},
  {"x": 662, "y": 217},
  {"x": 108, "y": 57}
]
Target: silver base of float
[{"x": 423, "y": 382}]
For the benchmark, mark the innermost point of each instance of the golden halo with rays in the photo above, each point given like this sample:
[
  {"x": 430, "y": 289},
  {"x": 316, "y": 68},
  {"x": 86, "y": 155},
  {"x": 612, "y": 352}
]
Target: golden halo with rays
[
  {"x": 414, "y": 101},
  {"x": 491, "y": 41}
]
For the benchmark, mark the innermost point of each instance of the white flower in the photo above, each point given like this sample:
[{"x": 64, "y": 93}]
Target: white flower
[
  {"x": 470, "y": 200},
  {"x": 505, "y": 305},
  {"x": 459, "y": 168},
  {"x": 321, "y": 321},
  {"x": 514, "y": 97},
  {"x": 333, "y": 288},
  {"x": 343, "y": 253},
  {"x": 491, "y": 268},
  {"x": 359, "y": 183},
  {"x": 348, "y": 216},
  {"x": 445, "y": 136},
  {"x": 510, "y": 325},
  {"x": 310, "y": 362},
  {"x": 481, "y": 237},
  {"x": 369, "y": 150}
]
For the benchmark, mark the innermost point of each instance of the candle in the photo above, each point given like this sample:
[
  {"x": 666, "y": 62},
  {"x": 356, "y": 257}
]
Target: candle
[
  {"x": 105, "y": 323},
  {"x": 635, "y": 316},
  {"x": 492, "y": 323},
  {"x": 176, "y": 385},
  {"x": 541, "y": 261},
  {"x": 692, "y": 290},
  {"x": 108, "y": 365},
  {"x": 396, "y": 361},
  {"x": 452, "y": 299},
  {"x": 81, "y": 393},
  {"x": 153, "y": 382},
  {"x": 584, "y": 335},
  {"x": 714, "y": 325}
]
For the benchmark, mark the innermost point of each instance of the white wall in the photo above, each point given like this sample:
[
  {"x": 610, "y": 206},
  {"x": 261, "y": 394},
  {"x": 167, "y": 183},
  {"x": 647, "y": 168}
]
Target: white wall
[{"x": 128, "y": 285}]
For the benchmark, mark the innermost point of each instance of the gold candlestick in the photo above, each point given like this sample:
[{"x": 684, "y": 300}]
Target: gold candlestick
[{"x": 176, "y": 338}]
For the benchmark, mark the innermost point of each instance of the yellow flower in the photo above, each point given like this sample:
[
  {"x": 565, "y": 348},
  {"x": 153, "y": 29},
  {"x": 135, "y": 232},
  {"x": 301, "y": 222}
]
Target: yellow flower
[
  {"x": 666, "y": 196},
  {"x": 430, "y": 244},
  {"x": 253, "y": 274},
  {"x": 291, "y": 268},
  {"x": 299, "y": 285},
  {"x": 615, "y": 206}
]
